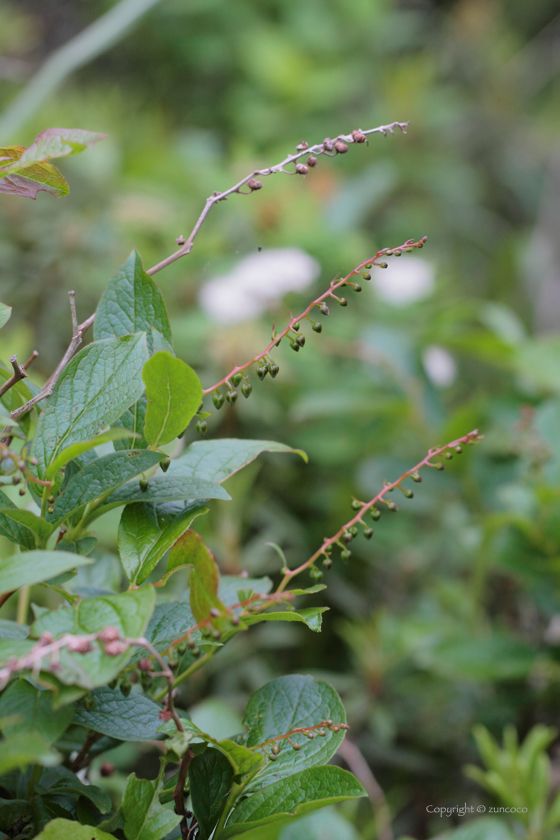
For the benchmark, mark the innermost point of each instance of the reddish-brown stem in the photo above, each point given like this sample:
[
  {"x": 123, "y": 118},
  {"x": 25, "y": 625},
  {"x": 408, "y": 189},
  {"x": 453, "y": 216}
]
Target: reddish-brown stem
[
  {"x": 323, "y": 551},
  {"x": 329, "y": 293},
  {"x": 318, "y": 149},
  {"x": 317, "y": 727},
  {"x": 18, "y": 374},
  {"x": 179, "y": 792}
]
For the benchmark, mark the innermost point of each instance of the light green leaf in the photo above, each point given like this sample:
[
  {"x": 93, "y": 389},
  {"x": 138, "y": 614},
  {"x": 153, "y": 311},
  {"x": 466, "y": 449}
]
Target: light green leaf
[
  {"x": 101, "y": 477},
  {"x": 170, "y": 621},
  {"x": 18, "y": 751},
  {"x": 233, "y": 586},
  {"x": 14, "y": 648},
  {"x": 144, "y": 817},
  {"x": 486, "y": 828},
  {"x": 167, "y": 488},
  {"x": 17, "y": 532},
  {"x": 295, "y": 796},
  {"x": 210, "y": 781},
  {"x": 5, "y": 313},
  {"x": 174, "y": 393},
  {"x": 132, "y": 718},
  {"x": 291, "y": 702},
  {"x": 145, "y": 535},
  {"x": 27, "y": 520},
  {"x": 132, "y": 303},
  {"x": 216, "y": 460},
  {"x": 30, "y": 179},
  {"x": 13, "y": 630},
  {"x": 54, "y": 143},
  {"x": 95, "y": 388},
  {"x": 311, "y": 616},
  {"x": 205, "y": 576},
  {"x": 129, "y": 612},
  {"x": 326, "y": 824},
  {"x": 36, "y": 567},
  {"x": 35, "y": 711},
  {"x": 78, "y": 449},
  {"x": 60, "y": 829}
]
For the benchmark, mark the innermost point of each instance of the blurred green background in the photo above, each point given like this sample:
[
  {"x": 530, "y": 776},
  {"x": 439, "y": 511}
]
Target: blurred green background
[{"x": 451, "y": 615}]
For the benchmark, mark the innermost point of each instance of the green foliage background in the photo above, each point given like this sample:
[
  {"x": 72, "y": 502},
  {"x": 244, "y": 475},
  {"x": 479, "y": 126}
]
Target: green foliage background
[{"x": 447, "y": 618}]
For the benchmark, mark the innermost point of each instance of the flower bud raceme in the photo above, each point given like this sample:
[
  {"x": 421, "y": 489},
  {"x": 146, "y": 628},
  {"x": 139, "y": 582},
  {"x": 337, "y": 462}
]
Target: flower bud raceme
[
  {"x": 254, "y": 185},
  {"x": 302, "y": 169}
]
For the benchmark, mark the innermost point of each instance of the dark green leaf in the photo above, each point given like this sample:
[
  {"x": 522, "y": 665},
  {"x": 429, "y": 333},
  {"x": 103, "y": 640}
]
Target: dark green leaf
[
  {"x": 312, "y": 617},
  {"x": 132, "y": 718},
  {"x": 16, "y": 532},
  {"x": 36, "y": 567},
  {"x": 24, "y": 748},
  {"x": 12, "y": 811},
  {"x": 95, "y": 388},
  {"x": 35, "y": 711},
  {"x": 144, "y": 817},
  {"x": 101, "y": 477},
  {"x": 28, "y": 521},
  {"x": 5, "y": 313},
  {"x": 174, "y": 393},
  {"x": 168, "y": 487},
  {"x": 77, "y": 449},
  {"x": 211, "y": 779},
  {"x": 295, "y": 796}
]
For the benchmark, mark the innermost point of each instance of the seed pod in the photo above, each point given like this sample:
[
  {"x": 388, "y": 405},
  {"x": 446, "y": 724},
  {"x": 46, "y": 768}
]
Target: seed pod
[
  {"x": 327, "y": 563},
  {"x": 113, "y": 684},
  {"x": 51, "y": 508},
  {"x": 301, "y": 147},
  {"x": 449, "y": 455},
  {"x": 165, "y": 463},
  {"x": 231, "y": 397},
  {"x": 397, "y": 253},
  {"x": 343, "y": 302},
  {"x": 301, "y": 340},
  {"x": 146, "y": 681},
  {"x": 367, "y": 266},
  {"x": 309, "y": 735},
  {"x": 347, "y": 537},
  {"x": 295, "y": 746},
  {"x": 218, "y": 399},
  {"x": 275, "y": 749},
  {"x": 323, "y": 308},
  {"x": 356, "y": 505},
  {"x": 182, "y": 647},
  {"x": 214, "y": 612},
  {"x": 316, "y": 327},
  {"x": 382, "y": 265},
  {"x": 440, "y": 467},
  {"x": 202, "y": 427},
  {"x": 366, "y": 276},
  {"x": 316, "y": 574},
  {"x": 274, "y": 370},
  {"x": 254, "y": 185},
  {"x": 354, "y": 531},
  {"x": 195, "y": 651},
  {"x": 106, "y": 770},
  {"x": 273, "y": 757},
  {"x": 51, "y": 500},
  {"x": 458, "y": 449},
  {"x": 16, "y": 479},
  {"x": 246, "y": 389},
  {"x": 346, "y": 554},
  {"x": 416, "y": 477},
  {"x": 392, "y": 506},
  {"x": 22, "y": 491},
  {"x": 302, "y": 169},
  {"x": 311, "y": 161},
  {"x": 236, "y": 378},
  {"x": 368, "y": 533},
  {"x": 328, "y": 144},
  {"x": 126, "y": 687},
  {"x": 375, "y": 514},
  {"x": 359, "y": 137},
  {"x": 294, "y": 345},
  {"x": 89, "y": 703},
  {"x": 341, "y": 147},
  {"x": 145, "y": 664},
  {"x": 408, "y": 493}
]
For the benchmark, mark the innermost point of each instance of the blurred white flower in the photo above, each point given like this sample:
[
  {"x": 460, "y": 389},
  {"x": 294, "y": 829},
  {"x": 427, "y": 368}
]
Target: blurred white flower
[
  {"x": 406, "y": 280},
  {"x": 256, "y": 281},
  {"x": 439, "y": 365}
]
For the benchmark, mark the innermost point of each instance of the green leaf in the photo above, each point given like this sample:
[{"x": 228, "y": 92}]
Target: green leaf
[
  {"x": 61, "y": 781},
  {"x": 133, "y": 421},
  {"x": 326, "y": 824},
  {"x": 5, "y": 313},
  {"x": 288, "y": 703},
  {"x": 15, "y": 531},
  {"x": 36, "y": 567},
  {"x": 28, "y": 521},
  {"x": 101, "y": 477},
  {"x": 13, "y": 630},
  {"x": 34, "y": 708},
  {"x": 78, "y": 449},
  {"x": 295, "y": 796},
  {"x": 167, "y": 488},
  {"x": 129, "y": 612},
  {"x": 132, "y": 718},
  {"x": 144, "y": 817},
  {"x": 205, "y": 576},
  {"x": 18, "y": 751},
  {"x": 132, "y": 303},
  {"x": 32, "y": 178},
  {"x": 13, "y": 810},
  {"x": 233, "y": 586},
  {"x": 210, "y": 781},
  {"x": 145, "y": 536},
  {"x": 60, "y": 829},
  {"x": 486, "y": 828},
  {"x": 54, "y": 143},
  {"x": 312, "y": 617},
  {"x": 14, "y": 648},
  {"x": 170, "y": 621},
  {"x": 95, "y": 388},
  {"x": 174, "y": 393},
  {"x": 216, "y": 460}
]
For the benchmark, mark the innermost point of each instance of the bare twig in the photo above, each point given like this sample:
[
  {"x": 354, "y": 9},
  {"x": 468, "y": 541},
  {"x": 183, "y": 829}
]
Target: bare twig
[
  {"x": 327, "y": 147},
  {"x": 179, "y": 792},
  {"x": 78, "y": 331},
  {"x": 356, "y": 762},
  {"x": 18, "y": 374},
  {"x": 80, "y": 759}
]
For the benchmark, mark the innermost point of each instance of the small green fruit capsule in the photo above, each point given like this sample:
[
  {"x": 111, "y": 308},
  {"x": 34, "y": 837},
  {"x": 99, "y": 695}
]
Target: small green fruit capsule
[
  {"x": 317, "y": 327},
  {"x": 347, "y": 537},
  {"x": 368, "y": 533},
  {"x": 296, "y": 327},
  {"x": 366, "y": 276},
  {"x": 262, "y": 371},
  {"x": 246, "y": 389},
  {"x": 383, "y": 265},
  {"x": 354, "y": 531},
  {"x": 356, "y": 505},
  {"x": 356, "y": 287},
  {"x": 397, "y": 253},
  {"x": 274, "y": 370},
  {"x": 236, "y": 378},
  {"x": 126, "y": 687},
  {"x": 408, "y": 494},
  {"x": 231, "y": 397},
  {"x": 375, "y": 514},
  {"x": 165, "y": 463},
  {"x": 273, "y": 756},
  {"x": 113, "y": 684},
  {"x": 316, "y": 574},
  {"x": 323, "y": 308},
  {"x": 388, "y": 253},
  {"x": 218, "y": 400},
  {"x": 327, "y": 563},
  {"x": 343, "y": 302},
  {"x": 346, "y": 555},
  {"x": 367, "y": 266},
  {"x": 88, "y": 702},
  {"x": 392, "y": 506},
  {"x": 275, "y": 749},
  {"x": 295, "y": 346},
  {"x": 416, "y": 477},
  {"x": 143, "y": 484},
  {"x": 146, "y": 681},
  {"x": 458, "y": 449},
  {"x": 296, "y": 746},
  {"x": 440, "y": 467},
  {"x": 51, "y": 500},
  {"x": 301, "y": 340},
  {"x": 182, "y": 647},
  {"x": 200, "y": 407},
  {"x": 195, "y": 651},
  {"x": 449, "y": 455},
  {"x": 202, "y": 427}
]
